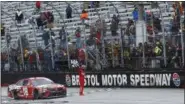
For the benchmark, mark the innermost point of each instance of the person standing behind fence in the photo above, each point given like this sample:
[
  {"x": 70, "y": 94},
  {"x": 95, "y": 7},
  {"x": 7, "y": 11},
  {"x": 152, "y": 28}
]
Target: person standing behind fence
[
  {"x": 114, "y": 25},
  {"x": 47, "y": 59},
  {"x": 63, "y": 37},
  {"x": 78, "y": 38}
]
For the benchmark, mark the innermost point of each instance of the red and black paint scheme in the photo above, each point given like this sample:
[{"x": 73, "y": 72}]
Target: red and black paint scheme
[{"x": 35, "y": 88}]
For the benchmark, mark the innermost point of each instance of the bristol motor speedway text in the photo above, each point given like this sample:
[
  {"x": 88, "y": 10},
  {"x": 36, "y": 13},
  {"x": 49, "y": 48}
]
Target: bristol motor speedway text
[{"x": 124, "y": 80}]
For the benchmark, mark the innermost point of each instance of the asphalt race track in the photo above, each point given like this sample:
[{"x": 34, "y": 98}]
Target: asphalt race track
[{"x": 108, "y": 96}]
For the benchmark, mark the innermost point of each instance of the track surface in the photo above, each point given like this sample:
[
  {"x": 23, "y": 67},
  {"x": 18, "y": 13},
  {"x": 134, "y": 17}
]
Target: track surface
[{"x": 108, "y": 96}]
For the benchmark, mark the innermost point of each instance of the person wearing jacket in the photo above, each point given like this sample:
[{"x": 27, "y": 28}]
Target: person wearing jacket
[
  {"x": 46, "y": 37},
  {"x": 40, "y": 23},
  {"x": 47, "y": 59},
  {"x": 50, "y": 20},
  {"x": 84, "y": 16},
  {"x": 19, "y": 16},
  {"x": 78, "y": 38},
  {"x": 68, "y": 12},
  {"x": 114, "y": 25},
  {"x": 63, "y": 36},
  {"x": 135, "y": 14}
]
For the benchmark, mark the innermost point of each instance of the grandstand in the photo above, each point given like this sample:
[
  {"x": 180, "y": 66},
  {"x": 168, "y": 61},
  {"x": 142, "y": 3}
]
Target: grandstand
[{"x": 105, "y": 12}]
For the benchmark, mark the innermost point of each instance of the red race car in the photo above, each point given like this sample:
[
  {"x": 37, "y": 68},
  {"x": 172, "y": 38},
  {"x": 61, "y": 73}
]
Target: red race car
[{"x": 35, "y": 88}]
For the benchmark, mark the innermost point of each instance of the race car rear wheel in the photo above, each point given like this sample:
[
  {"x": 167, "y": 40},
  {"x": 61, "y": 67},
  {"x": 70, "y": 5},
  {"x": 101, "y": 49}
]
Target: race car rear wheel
[
  {"x": 36, "y": 94},
  {"x": 14, "y": 95}
]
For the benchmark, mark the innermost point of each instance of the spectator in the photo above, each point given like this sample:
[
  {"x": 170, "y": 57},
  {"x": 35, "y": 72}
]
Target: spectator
[
  {"x": 84, "y": 16},
  {"x": 78, "y": 38},
  {"x": 130, "y": 32},
  {"x": 50, "y": 20},
  {"x": 158, "y": 49},
  {"x": 19, "y": 16},
  {"x": 91, "y": 41},
  {"x": 40, "y": 23},
  {"x": 32, "y": 61},
  {"x": 46, "y": 37},
  {"x": 47, "y": 18},
  {"x": 135, "y": 14},
  {"x": 26, "y": 57},
  {"x": 114, "y": 25},
  {"x": 25, "y": 42},
  {"x": 63, "y": 37},
  {"x": 8, "y": 39},
  {"x": 69, "y": 11},
  {"x": 157, "y": 23},
  {"x": 2, "y": 30},
  {"x": 53, "y": 39},
  {"x": 81, "y": 56},
  {"x": 38, "y": 6},
  {"x": 47, "y": 57},
  {"x": 98, "y": 37},
  {"x": 93, "y": 30},
  {"x": 101, "y": 26}
]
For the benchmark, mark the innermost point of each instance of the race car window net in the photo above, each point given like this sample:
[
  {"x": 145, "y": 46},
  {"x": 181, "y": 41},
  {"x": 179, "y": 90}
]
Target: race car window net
[
  {"x": 25, "y": 82},
  {"x": 37, "y": 82},
  {"x": 19, "y": 83}
]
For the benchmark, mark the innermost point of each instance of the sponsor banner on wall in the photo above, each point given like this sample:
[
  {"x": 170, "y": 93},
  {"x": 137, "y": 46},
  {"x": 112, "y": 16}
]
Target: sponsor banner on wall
[{"x": 126, "y": 80}]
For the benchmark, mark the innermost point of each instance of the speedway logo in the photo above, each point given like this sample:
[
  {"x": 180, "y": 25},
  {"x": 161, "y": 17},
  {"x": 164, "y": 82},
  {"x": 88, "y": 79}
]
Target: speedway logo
[
  {"x": 97, "y": 80},
  {"x": 176, "y": 79}
]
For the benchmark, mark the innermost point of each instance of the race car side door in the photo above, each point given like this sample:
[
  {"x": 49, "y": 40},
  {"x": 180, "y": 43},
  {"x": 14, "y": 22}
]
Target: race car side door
[{"x": 27, "y": 89}]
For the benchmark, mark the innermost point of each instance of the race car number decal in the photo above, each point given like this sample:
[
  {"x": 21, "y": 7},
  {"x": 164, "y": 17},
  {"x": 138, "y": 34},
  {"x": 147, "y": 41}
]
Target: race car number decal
[
  {"x": 13, "y": 87},
  {"x": 25, "y": 91}
]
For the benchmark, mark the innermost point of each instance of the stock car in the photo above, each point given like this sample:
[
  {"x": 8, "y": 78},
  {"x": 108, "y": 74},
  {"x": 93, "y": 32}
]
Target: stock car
[{"x": 36, "y": 88}]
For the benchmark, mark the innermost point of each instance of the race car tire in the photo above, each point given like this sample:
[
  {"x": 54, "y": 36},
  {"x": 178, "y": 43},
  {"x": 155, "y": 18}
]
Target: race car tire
[
  {"x": 35, "y": 94},
  {"x": 65, "y": 94},
  {"x": 14, "y": 95}
]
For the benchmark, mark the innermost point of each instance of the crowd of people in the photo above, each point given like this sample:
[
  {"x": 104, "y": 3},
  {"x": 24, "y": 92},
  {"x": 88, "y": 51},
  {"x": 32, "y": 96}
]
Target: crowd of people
[{"x": 149, "y": 54}]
